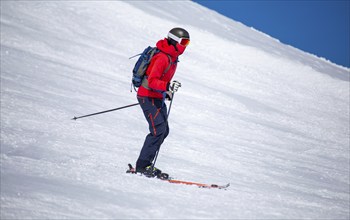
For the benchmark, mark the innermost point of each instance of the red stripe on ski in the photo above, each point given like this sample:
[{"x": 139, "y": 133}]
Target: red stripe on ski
[
  {"x": 201, "y": 185},
  {"x": 170, "y": 180}
]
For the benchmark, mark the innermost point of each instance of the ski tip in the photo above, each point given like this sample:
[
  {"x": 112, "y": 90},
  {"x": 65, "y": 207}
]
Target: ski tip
[
  {"x": 75, "y": 118},
  {"x": 219, "y": 186},
  {"x": 225, "y": 186}
]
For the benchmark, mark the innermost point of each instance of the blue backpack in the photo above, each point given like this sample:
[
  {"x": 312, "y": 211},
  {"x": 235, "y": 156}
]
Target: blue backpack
[{"x": 139, "y": 76}]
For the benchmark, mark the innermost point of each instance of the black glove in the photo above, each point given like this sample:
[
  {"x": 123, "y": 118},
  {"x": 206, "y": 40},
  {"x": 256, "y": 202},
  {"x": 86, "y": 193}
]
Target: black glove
[{"x": 169, "y": 95}]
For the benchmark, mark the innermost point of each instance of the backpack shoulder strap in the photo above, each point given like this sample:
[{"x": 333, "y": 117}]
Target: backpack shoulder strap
[
  {"x": 145, "y": 80},
  {"x": 170, "y": 63}
]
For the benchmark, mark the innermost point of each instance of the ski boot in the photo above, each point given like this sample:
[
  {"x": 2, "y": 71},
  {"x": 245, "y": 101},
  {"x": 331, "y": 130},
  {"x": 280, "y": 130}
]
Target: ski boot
[{"x": 148, "y": 172}]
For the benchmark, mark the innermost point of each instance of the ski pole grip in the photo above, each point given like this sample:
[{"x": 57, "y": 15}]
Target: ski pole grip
[{"x": 175, "y": 86}]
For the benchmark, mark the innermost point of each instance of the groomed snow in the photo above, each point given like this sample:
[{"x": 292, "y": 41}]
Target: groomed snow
[{"x": 268, "y": 118}]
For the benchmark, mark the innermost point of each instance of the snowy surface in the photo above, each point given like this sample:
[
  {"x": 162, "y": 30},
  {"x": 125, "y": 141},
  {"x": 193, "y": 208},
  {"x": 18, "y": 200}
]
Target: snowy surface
[{"x": 268, "y": 118}]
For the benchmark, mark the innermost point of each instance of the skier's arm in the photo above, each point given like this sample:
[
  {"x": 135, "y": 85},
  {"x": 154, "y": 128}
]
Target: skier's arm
[{"x": 157, "y": 68}]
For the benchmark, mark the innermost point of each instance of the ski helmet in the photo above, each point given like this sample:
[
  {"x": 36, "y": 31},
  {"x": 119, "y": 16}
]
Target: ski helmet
[{"x": 178, "y": 35}]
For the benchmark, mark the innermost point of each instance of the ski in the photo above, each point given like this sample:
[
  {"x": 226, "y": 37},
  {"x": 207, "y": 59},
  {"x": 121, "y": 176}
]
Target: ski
[
  {"x": 131, "y": 169},
  {"x": 200, "y": 185},
  {"x": 165, "y": 177}
]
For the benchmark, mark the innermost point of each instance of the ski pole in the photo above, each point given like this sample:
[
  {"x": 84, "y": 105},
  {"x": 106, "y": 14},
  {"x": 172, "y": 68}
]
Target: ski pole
[
  {"x": 110, "y": 110},
  {"x": 166, "y": 121},
  {"x": 171, "y": 102}
]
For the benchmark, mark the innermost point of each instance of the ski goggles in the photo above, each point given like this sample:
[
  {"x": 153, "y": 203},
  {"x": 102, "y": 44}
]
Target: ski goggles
[{"x": 183, "y": 41}]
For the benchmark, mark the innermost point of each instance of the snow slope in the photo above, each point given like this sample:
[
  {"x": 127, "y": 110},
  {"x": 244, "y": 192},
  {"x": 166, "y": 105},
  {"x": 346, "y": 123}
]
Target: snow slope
[{"x": 268, "y": 118}]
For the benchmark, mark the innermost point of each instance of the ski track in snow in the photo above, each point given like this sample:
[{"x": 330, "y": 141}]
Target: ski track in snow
[{"x": 268, "y": 118}]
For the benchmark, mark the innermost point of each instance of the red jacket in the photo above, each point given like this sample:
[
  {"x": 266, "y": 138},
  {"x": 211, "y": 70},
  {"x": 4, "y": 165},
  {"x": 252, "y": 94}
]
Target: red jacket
[{"x": 157, "y": 80}]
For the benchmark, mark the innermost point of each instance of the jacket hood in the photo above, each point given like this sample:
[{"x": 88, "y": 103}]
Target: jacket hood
[{"x": 169, "y": 49}]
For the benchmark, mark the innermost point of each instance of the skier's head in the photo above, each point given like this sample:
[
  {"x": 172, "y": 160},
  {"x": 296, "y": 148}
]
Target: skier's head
[{"x": 178, "y": 37}]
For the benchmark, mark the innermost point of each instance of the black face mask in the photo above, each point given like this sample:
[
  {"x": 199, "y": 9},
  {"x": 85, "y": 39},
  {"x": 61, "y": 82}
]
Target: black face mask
[{"x": 172, "y": 42}]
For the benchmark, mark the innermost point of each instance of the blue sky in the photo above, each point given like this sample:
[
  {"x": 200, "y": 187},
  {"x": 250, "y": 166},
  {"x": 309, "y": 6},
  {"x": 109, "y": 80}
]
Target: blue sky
[{"x": 317, "y": 27}]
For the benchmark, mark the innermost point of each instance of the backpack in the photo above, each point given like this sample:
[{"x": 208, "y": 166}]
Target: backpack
[{"x": 139, "y": 76}]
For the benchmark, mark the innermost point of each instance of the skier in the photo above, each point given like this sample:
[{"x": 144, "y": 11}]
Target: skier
[{"x": 155, "y": 88}]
